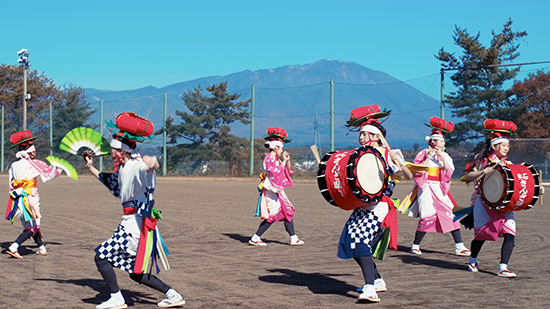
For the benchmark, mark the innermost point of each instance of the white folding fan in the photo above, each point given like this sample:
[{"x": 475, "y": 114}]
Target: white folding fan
[{"x": 80, "y": 139}]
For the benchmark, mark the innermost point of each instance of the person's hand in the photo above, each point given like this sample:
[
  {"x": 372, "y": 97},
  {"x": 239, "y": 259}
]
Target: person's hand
[
  {"x": 488, "y": 169},
  {"x": 88, "y": 158},
  {"x": 286, "y": 155}
]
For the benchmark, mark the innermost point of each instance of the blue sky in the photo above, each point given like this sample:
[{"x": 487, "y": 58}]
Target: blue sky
[{"x": 121, "y": 45}]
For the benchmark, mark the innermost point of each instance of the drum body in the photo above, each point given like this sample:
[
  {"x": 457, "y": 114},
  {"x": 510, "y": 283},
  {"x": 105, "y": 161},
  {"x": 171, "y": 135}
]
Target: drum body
[
  {"x": 350, "y": 179},
  {"x": 511, "y": 187}
]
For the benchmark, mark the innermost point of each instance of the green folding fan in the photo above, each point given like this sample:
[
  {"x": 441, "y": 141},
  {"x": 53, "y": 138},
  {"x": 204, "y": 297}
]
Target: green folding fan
[
  {"x": 80, "y": 139},
  {"x": 64, "y": 165}
]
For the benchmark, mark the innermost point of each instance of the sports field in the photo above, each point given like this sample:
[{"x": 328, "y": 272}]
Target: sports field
[{"x": 207, "y": 224}]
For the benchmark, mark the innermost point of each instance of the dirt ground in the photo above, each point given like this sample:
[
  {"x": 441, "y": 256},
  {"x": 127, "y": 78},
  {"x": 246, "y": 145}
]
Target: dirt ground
[{"x": 207, "y": 224}]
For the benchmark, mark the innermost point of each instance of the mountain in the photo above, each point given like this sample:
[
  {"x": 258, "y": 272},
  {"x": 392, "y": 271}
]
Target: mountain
[{"x": 294, "y": 97}]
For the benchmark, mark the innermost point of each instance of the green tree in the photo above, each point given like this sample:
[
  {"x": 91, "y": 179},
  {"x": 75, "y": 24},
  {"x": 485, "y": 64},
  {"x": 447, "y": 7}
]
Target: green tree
[
  {"x": 205, "y": 128},
  {"x": 73, "y": 111},
  {"x": 43, "y": 92},
  {"x": 480, "y": 81}
]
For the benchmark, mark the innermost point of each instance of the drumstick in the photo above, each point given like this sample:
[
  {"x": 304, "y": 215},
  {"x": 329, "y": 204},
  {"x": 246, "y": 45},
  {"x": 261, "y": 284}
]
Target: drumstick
[
  {"x": 384, "y": 142},
  {"x": 315, "y": 153},
  {"x": 492, "y": 167}
]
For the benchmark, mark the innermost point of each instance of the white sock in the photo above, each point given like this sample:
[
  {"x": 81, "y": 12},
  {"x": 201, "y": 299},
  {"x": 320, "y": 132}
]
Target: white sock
[
  {"x": 473, "y": 260},
  {"x": 415, "y": 247},
  {"x": 460, "y": 246},
  {"x": 13, "y": 247},
  {"x": 171, "y": 292},
  {"x": 256, "y": 238},
  {"x": 42, "y": 248},
  {"x": 118, "y": 297},
  {"x": 293, "y": 238},
  {"x": 502, "y": 267},
  {"x": 369, "y": 290}
]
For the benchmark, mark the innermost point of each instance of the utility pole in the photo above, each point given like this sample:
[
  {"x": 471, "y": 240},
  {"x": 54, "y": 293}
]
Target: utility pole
[{"x": 24, "y": 61}]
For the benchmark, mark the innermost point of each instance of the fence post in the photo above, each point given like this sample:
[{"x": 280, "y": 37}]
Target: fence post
[
  {"x": 164, "y": 138},
  {"x": 51, "y": 129},
  {"x": 252, "y": 132},
  {"x": 331, "y": 114},
  {"x": 101, "y": 130}
]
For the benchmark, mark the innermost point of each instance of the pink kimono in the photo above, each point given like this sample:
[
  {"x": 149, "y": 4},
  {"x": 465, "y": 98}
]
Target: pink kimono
[
  {"x": 489, "y": 223},
  {"x": 274, "y": 204},
  {"x": 434, "y": 204}
]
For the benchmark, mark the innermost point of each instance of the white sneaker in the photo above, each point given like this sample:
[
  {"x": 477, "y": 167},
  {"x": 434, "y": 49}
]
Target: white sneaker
[
  {"x": 115, "y": 302},
  {"x": 172, "y": 299},
  {"x": 369, "y": 294}
]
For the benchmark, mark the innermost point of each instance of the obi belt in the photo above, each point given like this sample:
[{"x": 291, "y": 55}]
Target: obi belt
[
  {"x": 151, "y": 247},
  {"x": 18, "y": 202}
]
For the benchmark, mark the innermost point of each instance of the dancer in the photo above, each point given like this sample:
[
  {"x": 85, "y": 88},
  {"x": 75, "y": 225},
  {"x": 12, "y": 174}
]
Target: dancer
[
  {"x": 273, "y": 204},
  {"x": 434, "y": 204},
  {"x": 24, "y": 199},
  {"x": 489, "y": 224},
  {"x": 367, "y": 223},
  {"x": 133, "y": 182}
]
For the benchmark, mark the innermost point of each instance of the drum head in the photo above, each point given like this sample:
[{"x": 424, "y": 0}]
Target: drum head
[
  {"x": 370, "y": 173},
  {"x": 493, "y": 186}
]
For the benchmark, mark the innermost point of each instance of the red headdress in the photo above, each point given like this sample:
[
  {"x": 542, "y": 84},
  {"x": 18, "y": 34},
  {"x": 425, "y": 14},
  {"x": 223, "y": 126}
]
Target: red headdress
[
  {"x": 366, "y": 113},
  {"x": 499, "y": 128},
  {"x": 276, "y": 134},
  {"x": 22, "y": 137},
  {"x": 131, "y": 127},
  {"x": 440, "y": 128}
]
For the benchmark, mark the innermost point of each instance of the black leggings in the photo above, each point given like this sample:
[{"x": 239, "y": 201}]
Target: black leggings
[
  {"x": 289, "y": 226},
  {"x": 28, "y": 234},
  {"x": 368, "y": 267},
  {"x": 106, "y": 270},
  {"x": 419, "y": 235},
  {"x": 505, "y": 250}
]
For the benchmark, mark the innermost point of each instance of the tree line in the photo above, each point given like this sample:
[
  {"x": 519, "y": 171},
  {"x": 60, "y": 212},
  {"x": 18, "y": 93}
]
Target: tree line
[{"x": 202, "y": 132}]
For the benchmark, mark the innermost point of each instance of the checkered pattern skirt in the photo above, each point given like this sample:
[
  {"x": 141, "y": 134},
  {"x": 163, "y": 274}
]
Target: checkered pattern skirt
[
  {"x": 362, "y": 230},
  {"x": 121, "y": 248}
]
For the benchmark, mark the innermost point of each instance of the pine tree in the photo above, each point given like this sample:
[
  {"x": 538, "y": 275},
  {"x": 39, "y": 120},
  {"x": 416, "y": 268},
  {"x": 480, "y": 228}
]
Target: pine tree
[
  {"x": 205, "y": 128},
  {"x": 480, "y": 82}
]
